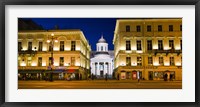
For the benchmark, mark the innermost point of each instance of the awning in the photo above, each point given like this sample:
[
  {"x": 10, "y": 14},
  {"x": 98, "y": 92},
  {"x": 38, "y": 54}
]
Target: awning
[{"x": 30, "y": 71}]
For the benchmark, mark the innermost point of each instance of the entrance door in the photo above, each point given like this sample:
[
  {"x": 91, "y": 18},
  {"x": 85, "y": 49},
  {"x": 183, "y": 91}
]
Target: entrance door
[
  {"x": 101, "y": 73},
  {"x": 134, "y": 75},
  {"x": 150, "y": 75}
]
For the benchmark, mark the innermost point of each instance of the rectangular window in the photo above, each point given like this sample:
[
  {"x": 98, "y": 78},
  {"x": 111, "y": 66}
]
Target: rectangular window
[
  {"x": 73, "y": 45},
  {"x": 62, "y": 45},
  {"x": 72, "y": 61},
  {"x": 127, "y": 28},
  {"x": 50, "y": 46},
  {"x": 39, "y": 61},
  {"x": 128, "y": 45},
  {"x": 29, "y": 61},
  {"x": 171, "y": 44},
  {"x": 50, "y": 61},
  {"x": 150, "y": 60},
  {"x": 148, "y": 28},
  {"x": 160, "y": 45},
  {"x": 128, "y": 61},
  {"x": 138, "y": 28},
  {"x": 161, "y": 61},
  {"x": 139, "y": 61},
  {"x": 61, "y": 61},
  {"x": 139, "y": 47},
  {"x": 149, "y": 44},
  {"x": 180, "y": 27},
  {"x": 40, "y": 46},
  {"x": 19, "y": 46},
  {"x": 170, "y": 28},
  {"x": 159, "y": 28},
  {"x": 181, "y": 44},
  {"x": 172, "y": 61},
  {"x": 29, "y": 45}
]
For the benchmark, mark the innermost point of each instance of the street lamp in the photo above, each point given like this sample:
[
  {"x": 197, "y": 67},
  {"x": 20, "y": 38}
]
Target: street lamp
[{"x": 51, "y": 41}]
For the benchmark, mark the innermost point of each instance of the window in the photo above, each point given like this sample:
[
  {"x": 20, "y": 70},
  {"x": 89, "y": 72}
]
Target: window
[
  {"x": 62, "y": 45},
  {"x": 149, "y": 44},
  {"x": 29, "y": 45},
  {"x": 72, "y": 61},
  {"x": 101, "y": 48},
  {"x": 139, "y": 47},
  {"x": 19, "y": 46},
  {"x": 128, "y": 61},
  {"x": 50, "y": 46},
  {"x": 73, "y": 45},
  {"x": 148, "y": 28},
  {"x": 61, "y": 61},
  {"x": 181, "y": 44},
  {"x": 161, "y": 60},
  {"x": 160, "y": 45},
  {"x": 139, "y": 61},
  {"x": 171, "y": 44},
  {"x": 180, "y": 27},
  {"x": 138, "y": 28},
  {"x": 171, "y": 61},
  {"x": 127, "y": 28},
  {"x": 40, "y": 46},
  {"x": 160, "y": 28},
  {"x": 170, "y": 28},
  {"x": 39, "y": 61},
  {"x": 29, "y": 61},
  {"x": 128, "y": 45},
  {"x": 50, "y": 61},
  {"x": 150, "y": 60}
]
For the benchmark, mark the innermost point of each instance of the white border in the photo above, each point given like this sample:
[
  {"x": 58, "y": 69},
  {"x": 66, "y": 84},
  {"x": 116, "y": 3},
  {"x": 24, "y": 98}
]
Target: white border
[{"x": 186, "y": 94}]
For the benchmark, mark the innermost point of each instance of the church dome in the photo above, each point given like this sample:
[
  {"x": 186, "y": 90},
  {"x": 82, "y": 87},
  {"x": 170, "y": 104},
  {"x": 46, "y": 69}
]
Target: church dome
[{"x": 102, "y": 40}]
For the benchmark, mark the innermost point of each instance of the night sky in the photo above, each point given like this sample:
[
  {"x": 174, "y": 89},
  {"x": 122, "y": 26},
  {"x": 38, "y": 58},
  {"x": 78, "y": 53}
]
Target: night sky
[{"x": 92, "y": 28}]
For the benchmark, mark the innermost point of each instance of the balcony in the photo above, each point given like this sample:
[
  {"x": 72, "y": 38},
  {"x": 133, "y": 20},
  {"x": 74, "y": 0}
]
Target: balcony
[
  {"x": 155, "y": 51},
  {"x": 23, "y": 52}
]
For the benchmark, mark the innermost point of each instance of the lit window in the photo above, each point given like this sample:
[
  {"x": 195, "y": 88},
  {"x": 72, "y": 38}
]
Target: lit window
[
  {"x": 149, "y": 44},
  {"x": 139, "y": 47},
  {"x": 128, "y": 45},
  {"x": 139, "y": 61},
  {"x": 62, "y": 45},
  {"x": 172, "y": 61},
  {"x": 150, "y": 60},
  {"x": 40, "y": 46},
  {"x": 39, "y": 61},
  {"x": 73, "y": 45},
  {"x": 161, "y": 60},
  {"x": 128, "y": 61},
  {"x": 160, "y": 45}
]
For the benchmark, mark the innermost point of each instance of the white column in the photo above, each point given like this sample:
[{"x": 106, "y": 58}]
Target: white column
[
  {"x": 97, "y": 68},
  {"x": 104, "y": 67}
]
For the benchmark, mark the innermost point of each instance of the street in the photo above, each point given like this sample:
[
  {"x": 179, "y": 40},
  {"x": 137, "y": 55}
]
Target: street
[{"x": 100, "y": 84}]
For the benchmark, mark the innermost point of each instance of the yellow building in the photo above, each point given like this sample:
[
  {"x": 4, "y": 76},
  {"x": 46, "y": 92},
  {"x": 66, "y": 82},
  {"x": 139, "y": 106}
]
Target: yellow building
[
  {"x": 149, "y": 49},
  {"x": 70, "y": 50}
]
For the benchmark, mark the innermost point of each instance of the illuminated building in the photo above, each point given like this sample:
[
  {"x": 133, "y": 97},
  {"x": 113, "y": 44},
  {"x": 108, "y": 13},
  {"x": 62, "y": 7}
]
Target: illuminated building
[
  {"x": 102, "y": 62},
  {"x": 149, "y": 49},
  {"x": 71, "y": 54}
]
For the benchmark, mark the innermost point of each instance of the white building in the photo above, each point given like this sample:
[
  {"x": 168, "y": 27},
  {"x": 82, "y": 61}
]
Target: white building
[{"x": 102, "y": 61}]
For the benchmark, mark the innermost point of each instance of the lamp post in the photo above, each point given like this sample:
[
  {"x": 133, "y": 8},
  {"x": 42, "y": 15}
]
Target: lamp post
[{"x": 51, "y": 41}]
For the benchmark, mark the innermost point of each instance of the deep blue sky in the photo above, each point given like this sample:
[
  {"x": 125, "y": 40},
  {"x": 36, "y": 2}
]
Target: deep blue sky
[{"x": 92, "y": 28}]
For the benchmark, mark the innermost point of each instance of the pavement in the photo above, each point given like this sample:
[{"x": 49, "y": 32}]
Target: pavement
[{"x": 100, "y": 84}]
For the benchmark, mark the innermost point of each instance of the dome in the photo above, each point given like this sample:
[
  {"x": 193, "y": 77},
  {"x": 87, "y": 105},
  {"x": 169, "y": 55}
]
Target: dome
[{"x": 102, "y": 40}]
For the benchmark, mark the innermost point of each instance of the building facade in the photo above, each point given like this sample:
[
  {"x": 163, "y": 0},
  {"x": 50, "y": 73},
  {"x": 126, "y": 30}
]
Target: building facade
[
  {"x": 102, "y": 62},
  {"x": 149, "y": 49},
  {"x": 62, "y": 53}
]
